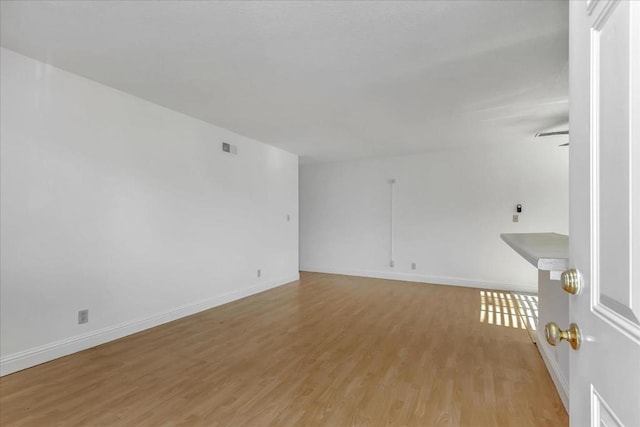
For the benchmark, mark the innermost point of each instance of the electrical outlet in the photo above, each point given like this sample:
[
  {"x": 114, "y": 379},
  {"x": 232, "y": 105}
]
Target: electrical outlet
[
  {"x": 413, "y": 265},
  {"x": 391, "y": 263},
  {"x": 259, "y": 272},
  {"x": 83, "y": 316},
  {"x": 516, "y": 218}
]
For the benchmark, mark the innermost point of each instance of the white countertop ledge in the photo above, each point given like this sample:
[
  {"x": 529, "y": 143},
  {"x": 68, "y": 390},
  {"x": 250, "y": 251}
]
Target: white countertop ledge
[{"x": 545, "y": 251}]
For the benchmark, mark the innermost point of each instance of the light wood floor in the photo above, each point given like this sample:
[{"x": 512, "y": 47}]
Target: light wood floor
[{"x": 328, "y": 350}]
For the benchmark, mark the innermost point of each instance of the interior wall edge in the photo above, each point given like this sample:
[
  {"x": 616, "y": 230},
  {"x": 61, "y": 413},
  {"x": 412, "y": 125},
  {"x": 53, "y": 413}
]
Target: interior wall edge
[
  {"x": 37, "y": 355},
  {"x": 554, "y": 369}
]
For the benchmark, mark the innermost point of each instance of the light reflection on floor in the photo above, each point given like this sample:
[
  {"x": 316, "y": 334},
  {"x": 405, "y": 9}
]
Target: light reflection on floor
[{"x": 511, "y": 310}]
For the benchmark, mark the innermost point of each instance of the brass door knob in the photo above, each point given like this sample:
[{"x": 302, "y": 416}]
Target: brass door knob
[
  {"x": 554, "y": 335},
  {"x": 571, "y": 281}
]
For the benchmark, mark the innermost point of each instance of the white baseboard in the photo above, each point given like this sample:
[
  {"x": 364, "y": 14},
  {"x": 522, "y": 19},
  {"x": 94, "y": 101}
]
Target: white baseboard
[
  {"x": 554, "y": 370},
  {"x": 421, "y": 278},
  {"x": 37, "y": 355}
]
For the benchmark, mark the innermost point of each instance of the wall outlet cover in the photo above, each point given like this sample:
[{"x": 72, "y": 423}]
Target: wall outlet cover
[{"x": 83, "y": 317}]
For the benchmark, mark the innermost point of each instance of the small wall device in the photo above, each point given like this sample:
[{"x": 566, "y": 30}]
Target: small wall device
[
  {"x": 518, "y": 208},
  {"x": 228, "y": 148}
]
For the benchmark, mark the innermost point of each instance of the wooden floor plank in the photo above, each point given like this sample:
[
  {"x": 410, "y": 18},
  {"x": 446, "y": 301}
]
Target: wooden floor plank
[{"x": 328, "y": 350}]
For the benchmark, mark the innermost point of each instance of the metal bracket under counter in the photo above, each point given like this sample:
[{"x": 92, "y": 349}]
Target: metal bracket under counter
[{"x": 545, "y": 251}]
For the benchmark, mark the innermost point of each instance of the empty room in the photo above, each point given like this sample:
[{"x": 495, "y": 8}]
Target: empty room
[{"x": 320, "y": 213}]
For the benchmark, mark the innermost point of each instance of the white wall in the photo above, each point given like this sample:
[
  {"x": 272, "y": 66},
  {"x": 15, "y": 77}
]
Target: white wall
[
  {"x": 450, "y": 208},
  {"x": 554, "y": 306},
  {"x": 113, "y": 204}
]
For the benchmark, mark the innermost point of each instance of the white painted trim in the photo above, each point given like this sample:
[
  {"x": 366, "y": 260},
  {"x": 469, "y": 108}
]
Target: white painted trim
[
  {"x": 392, "y": 183},
  {"x": 45, "y": 353},
  {"x": 601, "y": 412},
  {"x": 608, "y": 314},
  {"x": 554, "y": 370},
  {"x": 422, "y": 278}
]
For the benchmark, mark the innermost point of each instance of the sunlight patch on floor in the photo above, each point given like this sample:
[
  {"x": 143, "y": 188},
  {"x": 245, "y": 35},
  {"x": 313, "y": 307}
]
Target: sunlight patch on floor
[{"x": 511, "y": 310}]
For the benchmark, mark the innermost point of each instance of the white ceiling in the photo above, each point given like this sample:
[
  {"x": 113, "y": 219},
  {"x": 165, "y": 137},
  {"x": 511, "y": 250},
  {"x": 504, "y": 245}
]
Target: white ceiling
[{"x": 325, "y": 80}]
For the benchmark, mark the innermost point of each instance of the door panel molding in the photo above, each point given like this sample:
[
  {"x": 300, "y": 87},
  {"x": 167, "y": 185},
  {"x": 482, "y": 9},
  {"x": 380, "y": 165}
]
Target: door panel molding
[
  {"x": 623, "y": 315},
  {"x": 601, "y": 413}
]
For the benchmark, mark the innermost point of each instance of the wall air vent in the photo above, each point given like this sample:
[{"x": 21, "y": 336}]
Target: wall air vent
[{"x": 228, "y": 148}]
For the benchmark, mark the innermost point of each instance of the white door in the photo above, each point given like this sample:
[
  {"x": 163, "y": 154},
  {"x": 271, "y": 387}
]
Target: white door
[{"x": 605, "y": 211}]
